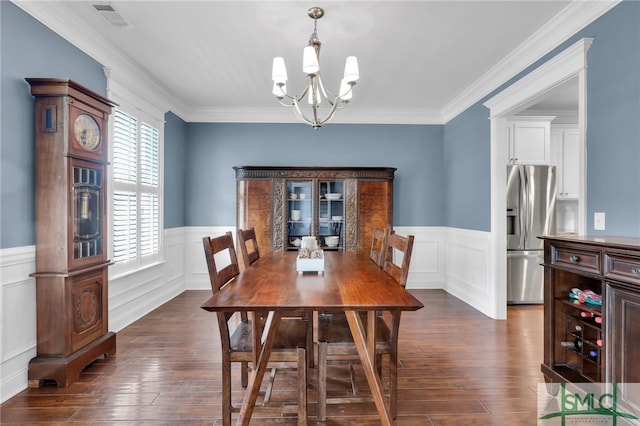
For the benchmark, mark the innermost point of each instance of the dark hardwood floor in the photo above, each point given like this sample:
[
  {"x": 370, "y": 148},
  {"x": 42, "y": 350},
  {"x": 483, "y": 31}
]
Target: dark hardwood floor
[{"x": 457, "y": 367}]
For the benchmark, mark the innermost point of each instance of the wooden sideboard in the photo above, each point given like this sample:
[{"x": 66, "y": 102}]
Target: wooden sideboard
[
  {"x": 601, "y": 343},
  {"x": 265, "y": 201}
]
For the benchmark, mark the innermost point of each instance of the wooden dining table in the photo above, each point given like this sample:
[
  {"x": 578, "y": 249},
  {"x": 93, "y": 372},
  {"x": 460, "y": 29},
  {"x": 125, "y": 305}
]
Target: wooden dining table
[{"x": 351, "y": 283}]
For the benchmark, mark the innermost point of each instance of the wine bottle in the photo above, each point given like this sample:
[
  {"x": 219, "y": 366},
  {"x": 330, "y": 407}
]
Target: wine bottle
[
  {"x": 578, "y": 327},
  {"x": 596, "y": 318},
  {"x": 575, "y": 344},
  {"x": 593, "y": 353}
]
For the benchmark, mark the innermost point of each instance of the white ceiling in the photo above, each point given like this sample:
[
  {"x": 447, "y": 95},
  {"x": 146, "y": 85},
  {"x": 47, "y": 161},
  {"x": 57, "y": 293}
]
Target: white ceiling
[{"x": 420, "y": 61}]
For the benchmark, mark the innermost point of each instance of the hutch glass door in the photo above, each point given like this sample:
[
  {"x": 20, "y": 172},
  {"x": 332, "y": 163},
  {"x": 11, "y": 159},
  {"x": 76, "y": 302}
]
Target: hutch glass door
[
  {"x": 299, "y": 211},
  {"x": 331, "y": 214}
]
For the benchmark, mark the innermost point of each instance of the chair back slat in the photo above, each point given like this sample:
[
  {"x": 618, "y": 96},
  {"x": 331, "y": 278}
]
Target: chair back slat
[
  {"x": 399, "y": 271},
  {"x": 248, "y": 243},
  {"x": 378, "y": 245}
]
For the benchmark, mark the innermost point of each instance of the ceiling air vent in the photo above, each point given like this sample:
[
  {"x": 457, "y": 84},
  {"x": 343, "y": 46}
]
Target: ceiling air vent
[{"x": 111, "y": 15}]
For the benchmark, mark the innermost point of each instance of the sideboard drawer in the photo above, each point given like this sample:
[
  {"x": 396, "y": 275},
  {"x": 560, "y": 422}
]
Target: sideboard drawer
[
  {"x": 576, "y": 258},
  {"x": 622, "y": 267}
]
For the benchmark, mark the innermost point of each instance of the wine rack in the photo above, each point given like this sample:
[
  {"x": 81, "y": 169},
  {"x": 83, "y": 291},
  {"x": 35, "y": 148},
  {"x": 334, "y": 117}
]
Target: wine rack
[{"x": 583, "y": 344}]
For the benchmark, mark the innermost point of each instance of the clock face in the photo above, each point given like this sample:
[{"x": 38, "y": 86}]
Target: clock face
[{"x": 87, "y": 131}]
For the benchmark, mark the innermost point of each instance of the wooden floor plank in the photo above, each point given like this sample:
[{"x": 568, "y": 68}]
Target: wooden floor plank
[{"x": 457, "y": 367}]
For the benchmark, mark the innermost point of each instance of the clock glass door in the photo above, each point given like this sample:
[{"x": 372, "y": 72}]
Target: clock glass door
[{"x": 87, "y": 212}]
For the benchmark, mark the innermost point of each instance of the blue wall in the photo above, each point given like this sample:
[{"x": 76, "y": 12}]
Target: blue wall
[
  {"x": 467, "y": 163},
  {"x": 416, "y": 151},
  {"x": 175, "y": 165},
  {"x": 443, "y": 174},
  {"x": 613, "y": 122},
  {"x": 29, "y": 49},
  {"x": 613, "y": 133}
]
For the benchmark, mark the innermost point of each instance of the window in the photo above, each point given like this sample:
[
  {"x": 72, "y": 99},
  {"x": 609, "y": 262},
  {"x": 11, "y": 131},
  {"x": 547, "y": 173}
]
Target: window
[{"x": 136, "y": 192}]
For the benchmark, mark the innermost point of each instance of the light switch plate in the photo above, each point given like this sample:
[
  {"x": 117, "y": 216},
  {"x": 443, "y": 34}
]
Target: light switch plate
[{"x": 598, "y": 221}]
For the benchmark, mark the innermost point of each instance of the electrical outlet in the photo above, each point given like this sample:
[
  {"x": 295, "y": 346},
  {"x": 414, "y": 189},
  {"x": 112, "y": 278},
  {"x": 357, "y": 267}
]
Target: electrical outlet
[{"x": 598, "y": 221}]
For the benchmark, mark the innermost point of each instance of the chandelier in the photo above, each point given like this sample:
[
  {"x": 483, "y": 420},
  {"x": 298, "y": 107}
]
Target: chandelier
[{"x": 315, "y": 91}]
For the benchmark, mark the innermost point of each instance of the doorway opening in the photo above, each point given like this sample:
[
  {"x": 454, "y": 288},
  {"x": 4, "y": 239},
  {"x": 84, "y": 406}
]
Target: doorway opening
[{"x": 568, "y": 67}]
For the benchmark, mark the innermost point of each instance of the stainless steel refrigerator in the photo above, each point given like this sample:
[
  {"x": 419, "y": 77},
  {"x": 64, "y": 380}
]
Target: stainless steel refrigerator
[{"x": 531, "y": 195}]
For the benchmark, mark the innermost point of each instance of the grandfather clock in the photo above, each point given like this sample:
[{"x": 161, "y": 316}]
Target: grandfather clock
[{"x": 71, "y": 143}]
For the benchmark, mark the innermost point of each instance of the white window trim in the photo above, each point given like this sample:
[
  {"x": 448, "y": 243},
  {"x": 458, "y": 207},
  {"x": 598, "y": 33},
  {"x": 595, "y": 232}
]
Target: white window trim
[{"x": 134, "y": 104}]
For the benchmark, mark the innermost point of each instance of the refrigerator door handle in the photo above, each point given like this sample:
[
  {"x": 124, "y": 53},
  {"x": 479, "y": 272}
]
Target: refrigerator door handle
[{"x": 524, "y": 207}]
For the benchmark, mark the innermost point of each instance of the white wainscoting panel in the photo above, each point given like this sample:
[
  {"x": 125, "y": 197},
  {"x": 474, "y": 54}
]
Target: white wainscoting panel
[
  {"x": 427, "y": 261},
  {"x": 132, "y": 296},
  {"x": 456, "y": 260},
  {"x": 468, "y": 266},
  {"x": 196, "y": 273},
  {"x": 17, "y": 318},
  {"x": 427, "y": 270}
]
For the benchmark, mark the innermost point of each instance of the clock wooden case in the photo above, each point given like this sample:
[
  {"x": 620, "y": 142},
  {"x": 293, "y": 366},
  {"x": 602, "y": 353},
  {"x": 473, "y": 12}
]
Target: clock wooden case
[{"x": 71, "y": 147}]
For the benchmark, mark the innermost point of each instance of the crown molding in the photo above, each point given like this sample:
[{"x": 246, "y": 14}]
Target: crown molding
[
  {"x": 543, "y": 79},
  {"x": 279, "y": 114},
  {"x": 55, "y": 16},
  {"x": 573, "y": 18}
]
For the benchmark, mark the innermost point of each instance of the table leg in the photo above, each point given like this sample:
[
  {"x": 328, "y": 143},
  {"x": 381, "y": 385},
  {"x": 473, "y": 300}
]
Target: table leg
[
  {"x": 366, "y": 357},
  {"x": 371, "y": 336},
  {"x": 393, "y": 364},
  {"x": 255, "y": 380}
]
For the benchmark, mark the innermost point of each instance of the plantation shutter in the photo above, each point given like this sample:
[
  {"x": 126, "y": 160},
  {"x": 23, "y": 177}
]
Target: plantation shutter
[{"x": 136, "y": 184}]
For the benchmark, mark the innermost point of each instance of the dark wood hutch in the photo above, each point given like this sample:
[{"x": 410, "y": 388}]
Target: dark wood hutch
[{"x": 286, "y": 203}]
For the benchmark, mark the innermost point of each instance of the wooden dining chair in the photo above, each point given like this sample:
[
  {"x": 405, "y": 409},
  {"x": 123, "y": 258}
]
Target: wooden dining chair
[
  {"x": 335, "y": 341},
  {"x": 248, "y": 243},
  {"x": 242, "y": 343}
]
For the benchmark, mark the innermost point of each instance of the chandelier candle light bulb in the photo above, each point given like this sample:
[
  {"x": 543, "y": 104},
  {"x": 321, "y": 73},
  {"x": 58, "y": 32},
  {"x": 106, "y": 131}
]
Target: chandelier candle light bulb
[
  {"x": 315, "y": 89},
  {"x": 279, "y": 72},
  {"x": 351, "y": 72},
  {"x": 310, "y": 63}
]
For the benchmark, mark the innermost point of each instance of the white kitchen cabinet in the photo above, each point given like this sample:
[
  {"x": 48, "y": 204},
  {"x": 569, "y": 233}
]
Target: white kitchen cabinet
[
  {"x": 529, "y": 140},
  {"x": 565, "y": 156}
]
